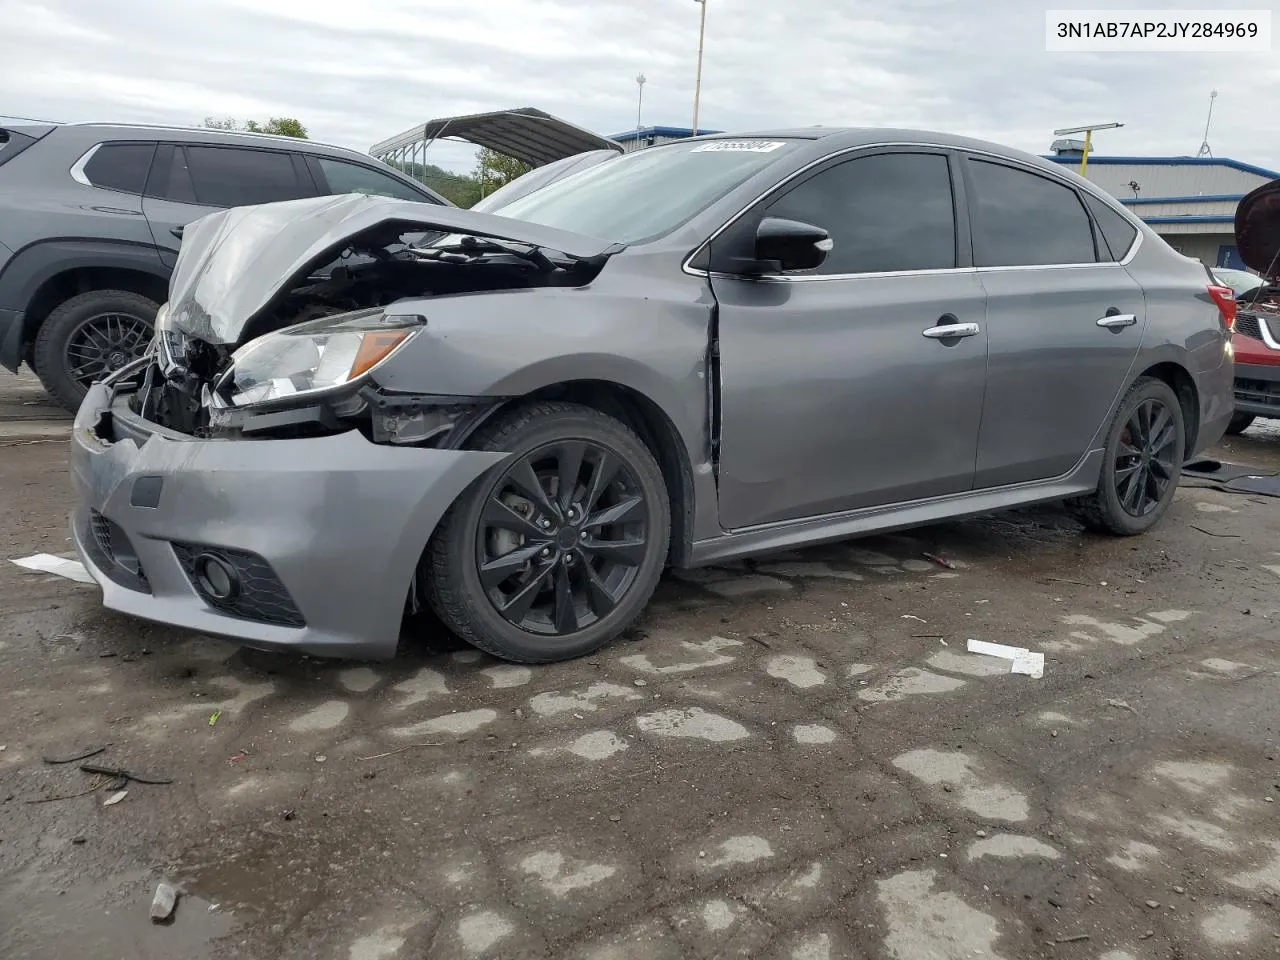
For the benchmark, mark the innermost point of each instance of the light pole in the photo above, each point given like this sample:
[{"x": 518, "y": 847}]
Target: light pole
[
  {"x": 640, "y": 82},
  {"x": 1088, "y": 139},
  {"x": 697, "y": 85}
]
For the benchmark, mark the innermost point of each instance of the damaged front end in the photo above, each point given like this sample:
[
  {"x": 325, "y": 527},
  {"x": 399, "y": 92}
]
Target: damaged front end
[{"x": 278, "y": 314}]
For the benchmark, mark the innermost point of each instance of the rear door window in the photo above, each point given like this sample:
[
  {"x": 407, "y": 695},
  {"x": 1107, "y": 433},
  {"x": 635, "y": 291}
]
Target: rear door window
[
  {"x": 1023, "y": 219},
  {"x": 1117, "y": 232},
  {"x": 120, "y": 166},
  {"x": 889, "y": 212},
  {"x": 346, "y": 177},
  {"x": 235, "y": 176}
]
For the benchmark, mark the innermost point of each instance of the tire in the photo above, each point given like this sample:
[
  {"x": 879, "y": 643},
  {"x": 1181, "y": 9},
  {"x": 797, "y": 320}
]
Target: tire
[
  {"x": 537, "y": 435},
  {"x": 1239, "y": 424},
  {"x": 121, "y": 341},
  {"x": 1103, "y": 510}
]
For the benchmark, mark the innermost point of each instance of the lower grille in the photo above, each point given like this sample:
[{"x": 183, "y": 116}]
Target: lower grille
[
  {"x": 259, "y": 594},
  {"x": 1264, "y": 392},
  {"x": 113, "y": 553}
]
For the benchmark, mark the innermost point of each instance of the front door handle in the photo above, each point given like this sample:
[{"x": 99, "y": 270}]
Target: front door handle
[
  {"x": 1115, "y": 321},
  {"x": 176, "y": 231},
  {"x": 948, "y": 331}
]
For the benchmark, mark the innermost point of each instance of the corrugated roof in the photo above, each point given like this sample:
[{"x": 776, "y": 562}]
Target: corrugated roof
[
  {"x": 525, "y": 133},
  {"x": 675, "y": 132},
  {"x": 1171, "y": 162}
]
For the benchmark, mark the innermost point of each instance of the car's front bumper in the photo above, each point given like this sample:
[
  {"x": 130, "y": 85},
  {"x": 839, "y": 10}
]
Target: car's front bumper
[
  {"x": 1257, "y": 389},
  {"x": 325, "y": 533}
]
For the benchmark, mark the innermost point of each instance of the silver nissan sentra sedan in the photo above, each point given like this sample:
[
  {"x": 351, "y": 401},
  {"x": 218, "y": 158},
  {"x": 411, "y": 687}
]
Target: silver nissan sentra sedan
[{"x": 725, "y": 346}]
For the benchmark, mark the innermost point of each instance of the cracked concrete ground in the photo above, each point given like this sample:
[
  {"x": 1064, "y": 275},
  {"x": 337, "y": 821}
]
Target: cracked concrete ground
[{"x": 807, "y": 765}]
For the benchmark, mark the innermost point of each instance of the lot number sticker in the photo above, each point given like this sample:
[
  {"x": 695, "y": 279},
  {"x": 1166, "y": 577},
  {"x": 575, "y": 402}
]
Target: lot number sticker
[{"x": 738, "y": 146}]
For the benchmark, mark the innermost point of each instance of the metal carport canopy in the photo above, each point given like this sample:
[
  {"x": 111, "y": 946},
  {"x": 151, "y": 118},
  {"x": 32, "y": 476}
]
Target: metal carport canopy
[{"x": 526, "y": 133}]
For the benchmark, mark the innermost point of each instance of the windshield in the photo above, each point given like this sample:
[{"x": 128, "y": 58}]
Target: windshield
[
  {"x": 647, "y": 193},
  {"x": 539, "y": 177},
  {"x": 1238, "y": 280}
]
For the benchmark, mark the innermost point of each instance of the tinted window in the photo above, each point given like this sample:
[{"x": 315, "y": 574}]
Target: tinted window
[
  {"x": 232, "y": 177},
  {"x": 352, "y": 178},
  {"x": 1022, "y": 219},
  {"x": 1117, "y": 232},
  {"x": 892, "y": 211},
  {"x": 120, "y": 166}
]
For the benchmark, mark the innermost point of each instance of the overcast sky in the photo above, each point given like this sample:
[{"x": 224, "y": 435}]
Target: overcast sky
[{"x": 357, "y": 71}]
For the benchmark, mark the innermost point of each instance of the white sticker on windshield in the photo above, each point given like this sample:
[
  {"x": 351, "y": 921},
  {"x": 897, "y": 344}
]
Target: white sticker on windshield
[{"x": 738, "y": 146}]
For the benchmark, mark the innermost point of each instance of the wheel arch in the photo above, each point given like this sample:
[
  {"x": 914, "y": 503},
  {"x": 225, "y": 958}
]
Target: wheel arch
[
  {"x": 650, "y": 422},
  {"x": 45, "y": 274},
  {"x": 1184, "y": 388}
]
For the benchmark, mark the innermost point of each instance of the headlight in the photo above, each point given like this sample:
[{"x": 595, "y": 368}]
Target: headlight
[{"x": 313, "y": 358}]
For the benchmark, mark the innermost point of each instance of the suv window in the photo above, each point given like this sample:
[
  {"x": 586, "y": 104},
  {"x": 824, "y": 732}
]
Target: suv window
[
  {"x": 1022, "y": 219},
  {"x": 120, "y": 166},
  {"x": 235, "y": 176},
  {"x": 887, "y": 212},
  {"x": 346, "y": 177},
  {"x": 1117, "y": 232}
]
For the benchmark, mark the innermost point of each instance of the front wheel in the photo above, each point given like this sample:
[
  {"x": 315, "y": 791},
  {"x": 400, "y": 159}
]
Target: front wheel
[
  {"x": 88, "y": 337},
  {"x": 558, "y": 551},
  {"x": 1142, "y": 462},
  {"x": 1240, "y": 422}
]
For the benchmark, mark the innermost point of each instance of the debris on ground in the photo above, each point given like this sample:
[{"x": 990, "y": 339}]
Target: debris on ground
[
  {"x": 213, "y": 718},
  {"x": 912, "y": 616},
  {"x": 124, "y": 775},
  {"x": 82, "y": 755},
  {"x": 164, "y": 902},
  {"x": 1021, "y": 660},
  {"x": 78, "y": 839},
  {"x": 115, "y": 798},
  {"x": 1121, "y": 705},
  {"x": 940, "y": 560},
  {"x": 58, "y": 566}
]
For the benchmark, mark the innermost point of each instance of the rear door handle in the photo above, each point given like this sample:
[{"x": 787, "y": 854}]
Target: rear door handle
[
  {"x": 1115, "y": 321},
  {"x": 948, "y": 331}
]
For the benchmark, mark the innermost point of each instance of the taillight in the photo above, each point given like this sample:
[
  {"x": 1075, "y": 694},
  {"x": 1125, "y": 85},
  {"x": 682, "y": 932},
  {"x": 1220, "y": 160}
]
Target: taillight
[{"x": 1225, "y": 298}]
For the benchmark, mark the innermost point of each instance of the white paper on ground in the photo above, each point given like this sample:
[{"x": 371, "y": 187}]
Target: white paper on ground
[
  {"x": 995, "y": 649},
  {"x": 59, "y": 566},
  {"x": 1021, "y": 660},
  {"x": 1029, "y": 663}
]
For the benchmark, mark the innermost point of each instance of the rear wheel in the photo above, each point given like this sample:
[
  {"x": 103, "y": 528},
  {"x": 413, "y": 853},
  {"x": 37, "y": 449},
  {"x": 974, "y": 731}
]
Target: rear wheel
[
  {"x": 1239, "y": 424},
  {"x": 1142, "y": 462},
  {"x": 559, "y": 551},
  {"x": 90, "y": 336}
]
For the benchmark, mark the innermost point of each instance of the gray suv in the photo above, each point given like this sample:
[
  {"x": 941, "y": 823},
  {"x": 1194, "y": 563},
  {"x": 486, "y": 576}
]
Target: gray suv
[{"x": 91, "y": 216}]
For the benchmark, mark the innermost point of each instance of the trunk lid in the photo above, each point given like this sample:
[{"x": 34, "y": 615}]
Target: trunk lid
[{"x": 234, "y": 264}]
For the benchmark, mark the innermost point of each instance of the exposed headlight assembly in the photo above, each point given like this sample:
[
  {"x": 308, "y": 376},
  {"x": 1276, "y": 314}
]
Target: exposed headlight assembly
[{"x": 312, "y": 359}]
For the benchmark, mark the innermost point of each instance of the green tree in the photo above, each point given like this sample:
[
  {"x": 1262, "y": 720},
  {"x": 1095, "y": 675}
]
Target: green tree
[
  {"x": 460, "y": 189},
  {"x": 280, "y": 126},
  {"x": 494, "y": 170}
]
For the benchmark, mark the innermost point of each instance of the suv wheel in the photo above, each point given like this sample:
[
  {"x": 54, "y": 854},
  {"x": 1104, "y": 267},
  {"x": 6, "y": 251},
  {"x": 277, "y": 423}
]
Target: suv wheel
[
  {"x": 556, "y": 551},
  {"x": 1142, "y": 463},
  {"x": 90, "y": 336},
  {"x": 1240, "y": 422}
]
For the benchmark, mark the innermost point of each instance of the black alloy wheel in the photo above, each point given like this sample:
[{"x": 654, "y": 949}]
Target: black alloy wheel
[
  {"x": 562, "y": 537},
  {"x": 558, "y": 549},
  {"x": 1144, "y": 460},
  {"x": 102, "y": 344}
]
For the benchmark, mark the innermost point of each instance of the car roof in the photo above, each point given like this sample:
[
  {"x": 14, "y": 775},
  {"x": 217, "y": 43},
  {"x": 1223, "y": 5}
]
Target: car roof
[
  {"x": 836, "y": 138},
  {"x": 213, "y": 135}
]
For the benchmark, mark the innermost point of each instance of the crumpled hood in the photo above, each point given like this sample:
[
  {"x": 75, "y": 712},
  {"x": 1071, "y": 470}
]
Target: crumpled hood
[
  {"x": 232, "y": 264},
  {"x": 1258, "y": 229}
]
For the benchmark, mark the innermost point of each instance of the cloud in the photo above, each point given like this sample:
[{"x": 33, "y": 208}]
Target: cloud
[{"x": 357, "y": 73}]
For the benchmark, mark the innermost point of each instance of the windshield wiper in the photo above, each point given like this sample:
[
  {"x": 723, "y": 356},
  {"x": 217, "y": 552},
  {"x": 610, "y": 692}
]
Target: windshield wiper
[{"x": 473, "y": 246}]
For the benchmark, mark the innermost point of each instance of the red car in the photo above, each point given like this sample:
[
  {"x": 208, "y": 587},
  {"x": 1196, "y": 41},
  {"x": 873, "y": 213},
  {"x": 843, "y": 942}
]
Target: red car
[{"x": 1256, "y": 340}]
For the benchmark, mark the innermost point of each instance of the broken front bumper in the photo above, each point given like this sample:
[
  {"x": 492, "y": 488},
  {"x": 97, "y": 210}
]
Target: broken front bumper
[{"x": 308, "y": 544}]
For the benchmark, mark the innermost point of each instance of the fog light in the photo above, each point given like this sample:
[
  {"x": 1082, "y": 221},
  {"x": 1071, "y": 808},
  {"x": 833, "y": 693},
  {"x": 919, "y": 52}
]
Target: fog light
[{"x": 216, "y": 577}]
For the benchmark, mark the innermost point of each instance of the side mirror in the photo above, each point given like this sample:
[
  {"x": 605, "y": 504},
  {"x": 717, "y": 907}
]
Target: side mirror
[{"x": 791, "y": 245}]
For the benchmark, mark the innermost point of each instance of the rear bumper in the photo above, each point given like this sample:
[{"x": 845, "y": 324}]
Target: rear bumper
[
  {"x": 1257, "y": 389},
  {"x": 325, "y": 533}
]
